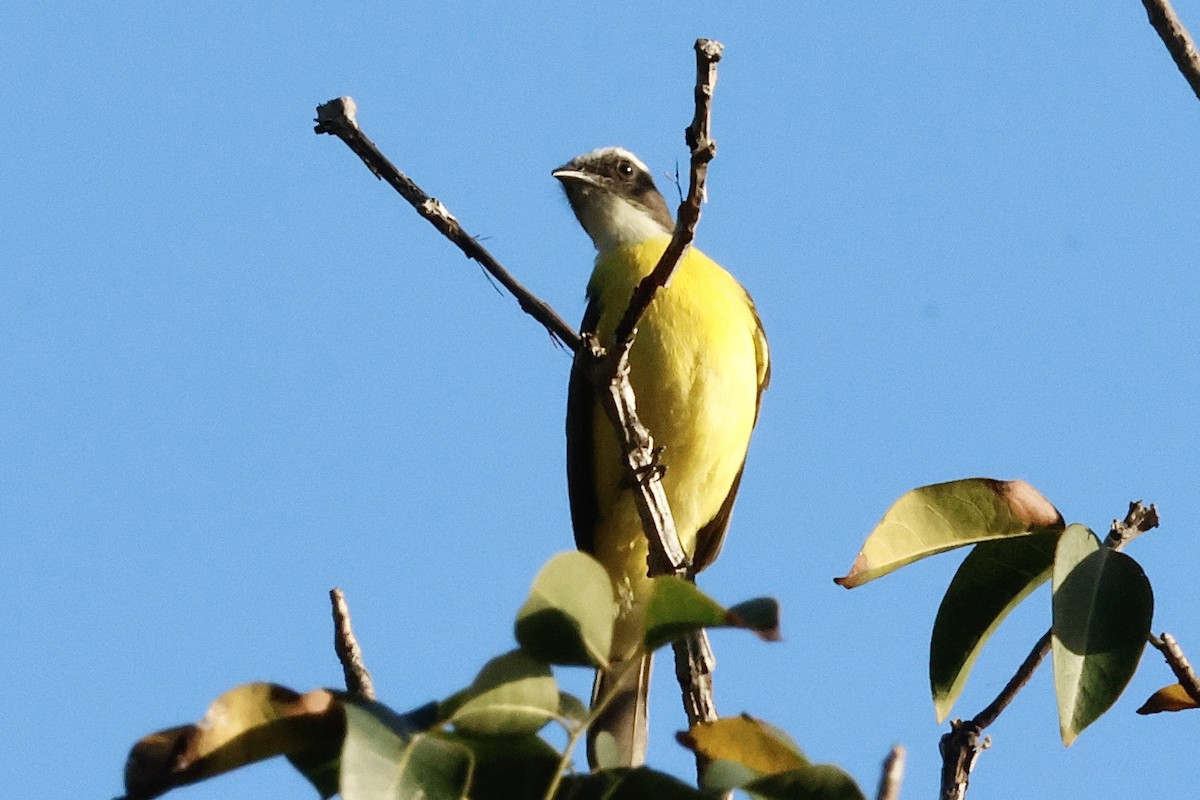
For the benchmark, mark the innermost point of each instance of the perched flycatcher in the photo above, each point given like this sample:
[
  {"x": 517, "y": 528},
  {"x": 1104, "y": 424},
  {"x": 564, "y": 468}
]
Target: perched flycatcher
[{"x": 698, "y": 367}]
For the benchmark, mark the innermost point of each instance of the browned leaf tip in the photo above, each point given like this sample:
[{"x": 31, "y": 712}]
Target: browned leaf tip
[
  {"x": 768, "y": 633},
  {"x": 250, "y": 723},
  {"x": 154, "y": 761},
  {"x": 1028, "y": 505},
  {"x": 851, "y": 578}
]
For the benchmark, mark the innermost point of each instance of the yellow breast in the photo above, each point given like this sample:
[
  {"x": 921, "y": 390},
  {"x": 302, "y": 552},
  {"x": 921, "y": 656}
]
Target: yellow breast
[{"x": 696, "y": 367}]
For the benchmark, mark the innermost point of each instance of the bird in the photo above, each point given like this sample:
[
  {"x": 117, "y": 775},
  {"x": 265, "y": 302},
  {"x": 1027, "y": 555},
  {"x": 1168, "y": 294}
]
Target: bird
[{"x": 699, "y": 364}]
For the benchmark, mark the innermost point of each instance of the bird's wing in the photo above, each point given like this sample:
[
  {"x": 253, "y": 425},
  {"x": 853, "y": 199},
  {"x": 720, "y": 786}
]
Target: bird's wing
[
  {"x": 762, "y": 355},
  {"x": 710, "y": 537},
  {"x": 581, "y": 465}
]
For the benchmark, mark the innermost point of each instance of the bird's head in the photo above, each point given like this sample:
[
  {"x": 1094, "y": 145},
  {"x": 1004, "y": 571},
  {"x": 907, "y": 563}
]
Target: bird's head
[{"x": 614, "y": 198}]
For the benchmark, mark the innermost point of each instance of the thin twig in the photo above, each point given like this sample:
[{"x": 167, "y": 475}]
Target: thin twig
[
  {"x": 345, "y": 644},
  {"x": 694, "y": 665},
  {"x": 962, "y": 746},
  {"x": 892, "y": 775},
  {"x": 1139, "y": 519},
  {"x": 960, "y": 749},
  {"x": 610, "y": 369},
  {"x": 337, "y": 117},
  {"x": 703, "y": 150},
  {"x": 1177, "y": 39},
  {"x": 1016, "y": 683},
  {"x": 575, "y": 732},
  {"x": 1173, "y": 653},
  {"x": 694, "y": 661},
  {"x": 610, "y": 376}
]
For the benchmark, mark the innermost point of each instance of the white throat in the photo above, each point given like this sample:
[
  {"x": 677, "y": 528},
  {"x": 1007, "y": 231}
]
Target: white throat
[{"x": 613, "y": 221}]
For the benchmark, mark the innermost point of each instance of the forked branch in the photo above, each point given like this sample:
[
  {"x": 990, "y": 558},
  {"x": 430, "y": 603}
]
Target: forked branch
[
  {"x": 962, "y": 746},
  {"x": 609, "y": 369}
]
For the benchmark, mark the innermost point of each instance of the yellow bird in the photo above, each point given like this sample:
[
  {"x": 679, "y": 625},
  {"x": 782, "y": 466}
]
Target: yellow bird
[{"x": 698, "y": 366}]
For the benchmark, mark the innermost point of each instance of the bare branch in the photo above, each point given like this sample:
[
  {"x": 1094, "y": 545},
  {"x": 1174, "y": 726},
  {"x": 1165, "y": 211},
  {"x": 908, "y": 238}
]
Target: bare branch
[
  {"x": 610, "y": 376},
  {"x": 694, "y": 665},
  {"x": 1179, "y": 664},
  {"x": 1177, "y": 39},
  {"x": 961, "y": 747},
  {"x": 358, "y": 679},
  {"x": 1138, "y": 520},
  {"x": 1015, "y": 684},
  {"x": 892, "y": 775},
  {"x": 694, "y": 661},
  {"x": 666, "y": 554},
  {"x": 337, "y": 118},
  {"x": 609, "y": 371},
  {"x": 703, "y": 150}
]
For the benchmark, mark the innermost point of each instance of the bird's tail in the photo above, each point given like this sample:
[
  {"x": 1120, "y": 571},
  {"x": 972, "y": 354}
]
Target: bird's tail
[{"x": 618, "y": 737}]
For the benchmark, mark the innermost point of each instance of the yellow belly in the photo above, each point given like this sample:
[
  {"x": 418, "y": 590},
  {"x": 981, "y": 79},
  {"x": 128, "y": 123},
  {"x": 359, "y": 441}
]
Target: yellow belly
[{"x": 696, "y": 370}]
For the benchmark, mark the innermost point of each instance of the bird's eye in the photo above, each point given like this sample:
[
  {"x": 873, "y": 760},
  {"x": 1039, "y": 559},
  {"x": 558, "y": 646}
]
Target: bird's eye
[{"x": 624, "y": 169}]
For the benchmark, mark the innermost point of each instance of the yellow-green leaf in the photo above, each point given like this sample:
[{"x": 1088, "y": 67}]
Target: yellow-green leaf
[
  {"x": 513, "y": 695},
  {"x": 677, "y": 607},
  {"x": 624, "y": 783},
  {"x": 814, "y": 782},
  {"x": 568, "y": 617},
  {"x": 571, "y": 710},
  {"x": 943, "y": 516},
  {"x": 1169, "y": 698},
  {"x": 745, "y": 740},
  {"x": 992, "y": 580},
  {"x": 1103, "y": 607},
  {"x": 379, "y": 763},
  {"x": 509, "y": 767},
  {"x": 253, "y": 722}
]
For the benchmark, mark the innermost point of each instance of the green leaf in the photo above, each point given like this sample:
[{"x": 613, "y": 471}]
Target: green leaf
[
  {"x": 568, "y": 617},
  {"x": 992, "y": 580},
  {"x": 677, "y": 607},
  {"x": 943, "y": 516},
  {"x": 814, "y": 782},
  {"x": 448, "y": 707},
  {"x": 380, "y": 764},
  {"x": 571, "y": 710},
  {"x": 723, "y": 776},
  {"x": 1103, "y": 607},
  {"x": 513, "y": 695},
  {"x": 508, "y": 767},
  {"x": 626, "y": 783},
  {"x": 324, "y": 771}
]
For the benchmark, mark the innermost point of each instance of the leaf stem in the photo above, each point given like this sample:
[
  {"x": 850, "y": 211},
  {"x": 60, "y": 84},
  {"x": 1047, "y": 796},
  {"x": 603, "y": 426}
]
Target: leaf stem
[
  {"x": 573, "y": 736},
  {"x": 962, "y": 746}
]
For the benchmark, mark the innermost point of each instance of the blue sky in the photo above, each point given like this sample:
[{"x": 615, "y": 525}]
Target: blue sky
[{"x": 238, "y": 371}]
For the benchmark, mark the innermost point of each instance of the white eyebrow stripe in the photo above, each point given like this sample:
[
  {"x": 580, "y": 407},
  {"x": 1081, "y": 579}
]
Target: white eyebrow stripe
[{"x": 601, "y": 152}]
